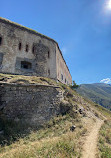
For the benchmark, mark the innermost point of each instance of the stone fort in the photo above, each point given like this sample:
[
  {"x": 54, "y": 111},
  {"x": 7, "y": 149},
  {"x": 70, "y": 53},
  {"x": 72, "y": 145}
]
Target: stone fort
[{"x": 27, "y": 52}]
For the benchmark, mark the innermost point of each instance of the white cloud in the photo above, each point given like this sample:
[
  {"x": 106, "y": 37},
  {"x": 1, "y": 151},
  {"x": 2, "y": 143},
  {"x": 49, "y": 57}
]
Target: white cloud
[{"x": 106, "y": 80}]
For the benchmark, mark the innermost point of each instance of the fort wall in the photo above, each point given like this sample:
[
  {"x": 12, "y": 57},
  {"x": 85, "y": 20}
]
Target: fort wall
[
  {"x": 34, "y": 104},
  {"x": 63, "y": 73},
  {"x": 25, "y": 51},
  {"x": 13, "y": 55}
]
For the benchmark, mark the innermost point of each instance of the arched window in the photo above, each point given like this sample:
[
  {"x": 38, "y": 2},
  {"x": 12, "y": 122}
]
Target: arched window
[
  {"x": 26, "y": 65},
  {"x": 0, "y": 41},
  {"x": 20, "y": 46},
  {"x": 27, "y": 48}
]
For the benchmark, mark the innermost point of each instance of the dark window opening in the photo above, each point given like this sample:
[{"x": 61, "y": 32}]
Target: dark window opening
[
  {"x": 27, "y": 48},
  {"x": 26, "y": 65},
  {"x": 0, "y": 41},
  {"x": 65, "y": 80},
  {"x": 61, "y": 77},
  {"x": 20, "y": 46},
  {"x": 48, "y": 54},
  {"x": 33, "y": 49},
  {"x": 48, "y": 72}
]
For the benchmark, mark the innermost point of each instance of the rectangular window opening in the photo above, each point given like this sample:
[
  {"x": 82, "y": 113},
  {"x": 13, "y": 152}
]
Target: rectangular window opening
[
  {"x": 62, "y": 77},
  {"x": 27, "y": 48},
  {"x": 65, "y": 80},
  {"x": 48, "y": 54},
  {"x": 0, "y": 41},
  {"x": 20, "y": 46},
  {"x": 48, "y": 72},
  {"x": 26, "y": 65}
]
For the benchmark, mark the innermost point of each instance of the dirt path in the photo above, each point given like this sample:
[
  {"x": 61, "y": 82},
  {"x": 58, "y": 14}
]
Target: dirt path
[{"x": 90, "y": 146}]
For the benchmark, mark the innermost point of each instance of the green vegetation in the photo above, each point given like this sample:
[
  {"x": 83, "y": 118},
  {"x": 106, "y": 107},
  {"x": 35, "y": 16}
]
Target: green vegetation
[
  {"x": 74, "y": 85},
  {"x": 105, "y": 140}
]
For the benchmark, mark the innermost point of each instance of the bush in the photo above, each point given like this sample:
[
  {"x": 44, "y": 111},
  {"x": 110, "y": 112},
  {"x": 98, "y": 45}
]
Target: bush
[{"x": 74, "y": 85}]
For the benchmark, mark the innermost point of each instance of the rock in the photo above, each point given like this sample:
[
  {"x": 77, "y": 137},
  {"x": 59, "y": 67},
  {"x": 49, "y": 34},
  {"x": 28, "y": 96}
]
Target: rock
[
  {"x": 76, "y": 111},
  {"x": 72, "y": 128},
  {"x": 81, "y": 110}
]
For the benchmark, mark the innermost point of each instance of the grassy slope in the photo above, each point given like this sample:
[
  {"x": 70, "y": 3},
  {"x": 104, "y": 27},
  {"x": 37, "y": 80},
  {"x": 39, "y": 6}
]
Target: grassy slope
[
  {"x": 104, "y": 140},
  {"x": 54, "y": 139},
  {"x": 104, "y": 143}
]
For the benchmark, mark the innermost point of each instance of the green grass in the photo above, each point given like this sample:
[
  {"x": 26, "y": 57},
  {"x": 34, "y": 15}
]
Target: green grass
[{"x": 104, "y": 143}]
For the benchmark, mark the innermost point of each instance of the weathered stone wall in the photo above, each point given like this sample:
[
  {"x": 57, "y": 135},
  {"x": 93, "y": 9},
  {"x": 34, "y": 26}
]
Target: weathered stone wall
[
  {"x": 22, "y": 44},
  {"x": 34, "y": 104},
  {"x": 37, "y": 54},
  {"x": 63, "y": 73}
]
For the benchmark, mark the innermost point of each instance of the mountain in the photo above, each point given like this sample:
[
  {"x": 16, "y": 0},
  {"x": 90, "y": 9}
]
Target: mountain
[{"x": 99, "y": 93}]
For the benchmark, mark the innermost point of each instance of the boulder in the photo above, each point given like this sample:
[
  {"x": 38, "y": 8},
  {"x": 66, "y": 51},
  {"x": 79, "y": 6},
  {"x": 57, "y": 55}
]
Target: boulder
[{"x": 72, "y": 128}]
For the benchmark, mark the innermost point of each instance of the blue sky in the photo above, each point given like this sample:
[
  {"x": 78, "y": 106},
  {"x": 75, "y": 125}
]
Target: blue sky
[{"x": 81, "y": 27}]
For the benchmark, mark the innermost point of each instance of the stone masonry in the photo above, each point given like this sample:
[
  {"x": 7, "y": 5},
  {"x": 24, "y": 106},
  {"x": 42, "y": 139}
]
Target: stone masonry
[
  {"x": 34, "y": 104},
  {"x": 27, "y": 52}
]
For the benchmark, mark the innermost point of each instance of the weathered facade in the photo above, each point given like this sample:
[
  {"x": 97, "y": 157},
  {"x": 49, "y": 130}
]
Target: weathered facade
[
  {"x": 25, "y": 51},
  {"x": 34, "y": 104}
]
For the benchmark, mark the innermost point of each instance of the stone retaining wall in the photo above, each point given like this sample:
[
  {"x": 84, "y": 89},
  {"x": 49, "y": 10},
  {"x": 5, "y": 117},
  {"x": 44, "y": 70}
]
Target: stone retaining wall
[{"x": 34, "y": 104}]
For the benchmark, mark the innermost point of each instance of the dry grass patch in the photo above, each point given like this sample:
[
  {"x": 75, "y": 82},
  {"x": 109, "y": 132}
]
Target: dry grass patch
[
  {"x": 54, "y": 140},
  {"x": 21, "y": 79}
]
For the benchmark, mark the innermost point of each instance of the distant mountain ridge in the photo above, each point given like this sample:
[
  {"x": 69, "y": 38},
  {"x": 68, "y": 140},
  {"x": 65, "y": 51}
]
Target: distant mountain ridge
[{"x": 99, "y": 93}]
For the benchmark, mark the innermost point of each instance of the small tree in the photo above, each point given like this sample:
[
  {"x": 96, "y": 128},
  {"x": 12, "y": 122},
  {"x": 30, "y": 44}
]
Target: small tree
[{"x": 74, "y": 85}]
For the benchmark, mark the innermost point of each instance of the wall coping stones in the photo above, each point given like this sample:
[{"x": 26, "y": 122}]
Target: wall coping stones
[{"x": 27, "y": 85}]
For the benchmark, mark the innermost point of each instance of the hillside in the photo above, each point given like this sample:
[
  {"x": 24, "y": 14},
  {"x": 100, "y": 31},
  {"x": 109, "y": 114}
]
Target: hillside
[
  {"x": 56, "y": 138},
  {"x": 99, "y": 93}
]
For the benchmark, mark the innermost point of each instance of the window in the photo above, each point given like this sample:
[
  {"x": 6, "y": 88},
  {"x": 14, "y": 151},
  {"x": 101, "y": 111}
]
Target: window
[
  {"x": 48, "y": 72},
  {"x": 26, "y": 65},
  {"x": 0, "y": 41},
  {"x": 20, "y": 46},
  {"x": 48, "y": 54},
  {"x": 1, "y": 59},
  {"x": 33, "y": 49},
  {"x": 61, "y": 76},
  {"x": 65, "y": 80},
  {"x": 27, "y": 48}
]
